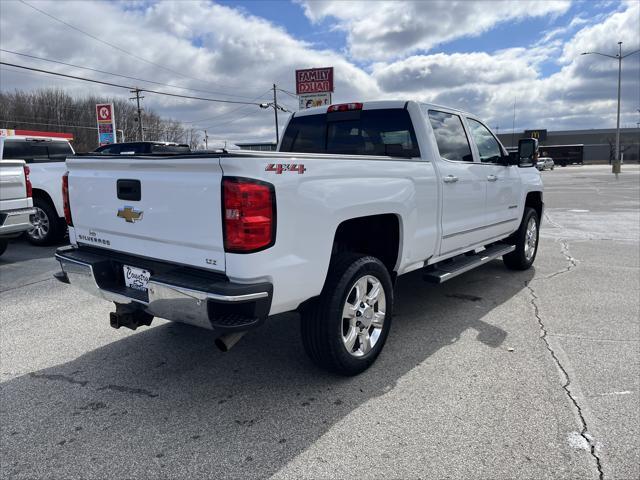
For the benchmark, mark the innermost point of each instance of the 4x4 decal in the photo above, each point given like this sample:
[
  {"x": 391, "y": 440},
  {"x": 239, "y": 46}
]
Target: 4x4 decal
[{"x": 285, "y": 167}]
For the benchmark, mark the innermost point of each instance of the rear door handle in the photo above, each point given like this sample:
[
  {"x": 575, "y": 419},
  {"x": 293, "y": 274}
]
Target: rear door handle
[
  {"x": 492, "y": 178},
  {"x": 450, "y": 179}
]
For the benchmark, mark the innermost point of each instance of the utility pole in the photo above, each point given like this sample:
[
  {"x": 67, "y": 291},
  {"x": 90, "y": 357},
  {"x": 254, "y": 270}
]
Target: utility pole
[
  {"x": 137, "y": 98},
  {"x": 206, "y": 141},
  {"x": 275, "y": 112}
]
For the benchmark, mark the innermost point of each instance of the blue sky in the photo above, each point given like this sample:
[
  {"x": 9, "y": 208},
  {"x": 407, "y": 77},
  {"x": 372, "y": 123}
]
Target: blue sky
[{"x": 518, "y": 33}]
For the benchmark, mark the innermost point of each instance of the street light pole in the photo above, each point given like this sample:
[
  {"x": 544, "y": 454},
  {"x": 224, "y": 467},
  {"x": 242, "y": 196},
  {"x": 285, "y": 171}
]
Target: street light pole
[
  {"x": 616, "y": 164},
  {"x": 615, "y": 168}
]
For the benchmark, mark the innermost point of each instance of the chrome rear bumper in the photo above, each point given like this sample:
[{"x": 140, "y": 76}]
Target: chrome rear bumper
[
  {"x": 16, "y": 221},
  {"x": 213, "y": 303}
]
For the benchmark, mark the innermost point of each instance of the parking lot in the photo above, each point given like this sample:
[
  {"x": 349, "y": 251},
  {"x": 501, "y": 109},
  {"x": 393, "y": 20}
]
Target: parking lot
[{"x": 495, "y": 374}]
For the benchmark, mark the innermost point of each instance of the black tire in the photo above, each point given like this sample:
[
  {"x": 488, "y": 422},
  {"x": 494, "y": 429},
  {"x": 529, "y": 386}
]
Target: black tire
[
  {"x": 3, "y": 245},
  {"x": 55, "y": 226},
  {"x": 517, "y": 260},
  {"x": 322, "y": 322}
]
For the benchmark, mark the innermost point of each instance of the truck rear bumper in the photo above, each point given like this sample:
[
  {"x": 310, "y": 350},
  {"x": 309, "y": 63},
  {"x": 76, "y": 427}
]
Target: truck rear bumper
[
  {"x": 177, "y": 293},
  {"x": 14, "y": 222}
]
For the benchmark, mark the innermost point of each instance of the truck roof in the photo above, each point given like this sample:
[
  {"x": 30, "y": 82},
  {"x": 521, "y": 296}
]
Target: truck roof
[{"x": 381, "y": 104}]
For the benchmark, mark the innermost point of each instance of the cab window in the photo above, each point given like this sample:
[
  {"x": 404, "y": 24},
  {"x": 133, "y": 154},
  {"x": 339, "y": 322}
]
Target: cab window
[
  {"x": 15, "y": 150},
  {"x": 488, "y": 147}
]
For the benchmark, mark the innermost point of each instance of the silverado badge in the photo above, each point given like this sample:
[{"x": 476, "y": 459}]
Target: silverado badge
[{"x": 130, "y": 214}]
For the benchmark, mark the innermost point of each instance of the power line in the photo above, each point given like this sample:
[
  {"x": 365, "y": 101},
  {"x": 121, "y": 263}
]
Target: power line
[
  {"x": 183, "y": 121},
  {"x": 216, "y": 100},
  {"x": 291, "y": 94},
  {"x": 229, "y": 112},
  {"x": 211, "y": 127},
  {"x": 114, "y": 46},
  {"x": 120, "y": 75}
]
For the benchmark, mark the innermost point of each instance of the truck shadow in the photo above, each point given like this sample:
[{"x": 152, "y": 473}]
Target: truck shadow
[
  {"x": 164, "y": 402},
  {"x": 19, "y": 250}
]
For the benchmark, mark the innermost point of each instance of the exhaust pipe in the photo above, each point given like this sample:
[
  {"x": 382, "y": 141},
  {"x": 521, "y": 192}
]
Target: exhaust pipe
[{"x": 225, "y": 342}]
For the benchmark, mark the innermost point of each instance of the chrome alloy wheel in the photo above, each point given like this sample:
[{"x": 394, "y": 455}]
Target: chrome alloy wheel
[
  {"x": 363, "y": 315},
  {"x": 40, "y": 223},
  {"x": 531, "y": 239}
]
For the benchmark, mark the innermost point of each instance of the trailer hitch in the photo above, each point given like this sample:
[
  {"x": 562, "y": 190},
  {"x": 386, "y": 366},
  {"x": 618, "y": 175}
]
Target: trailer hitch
[{"x": 130, "y": 317}]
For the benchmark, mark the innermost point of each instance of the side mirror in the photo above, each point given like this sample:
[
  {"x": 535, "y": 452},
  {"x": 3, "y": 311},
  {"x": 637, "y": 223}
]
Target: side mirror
[{"x": 527, "y": 152}]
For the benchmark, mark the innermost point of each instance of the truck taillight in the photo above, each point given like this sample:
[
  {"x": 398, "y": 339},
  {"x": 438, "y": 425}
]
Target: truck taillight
[
  {"x": 344, "y": 107},
  {"x": 65, "y": 199},
  {"x": 249, "y": 215},
  {"x": 27, "y": 171}
]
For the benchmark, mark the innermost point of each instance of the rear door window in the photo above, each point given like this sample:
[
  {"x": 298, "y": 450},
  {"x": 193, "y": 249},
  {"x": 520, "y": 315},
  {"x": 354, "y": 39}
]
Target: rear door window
[
  {"x": 451, "y": 138},
  {"x": 361, "y": 132}
]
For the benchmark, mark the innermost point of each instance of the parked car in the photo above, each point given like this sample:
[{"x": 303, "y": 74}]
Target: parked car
[
  {"x": 142, "y": 148},
  {"x": 545, "y": 163},
  {"x": 16, "y": 204},
  {"x": 356, "y": 195},
  {"x": 45, "y": 157}
]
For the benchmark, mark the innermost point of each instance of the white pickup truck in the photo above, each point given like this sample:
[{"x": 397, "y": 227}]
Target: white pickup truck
[
  {"x": 45, "y": 157},
  {"x": 356, "y": 195},
  {"x": 16, "y": 202}
]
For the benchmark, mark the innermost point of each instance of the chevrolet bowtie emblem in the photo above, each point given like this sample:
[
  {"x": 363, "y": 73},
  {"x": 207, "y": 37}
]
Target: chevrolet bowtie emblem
[{"x": 130, "y": 214}]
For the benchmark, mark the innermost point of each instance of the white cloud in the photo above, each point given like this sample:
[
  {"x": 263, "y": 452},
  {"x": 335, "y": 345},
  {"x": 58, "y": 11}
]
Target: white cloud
[
  {"x": 229, "y": 50},
  {"x": 387, "y": 30}
]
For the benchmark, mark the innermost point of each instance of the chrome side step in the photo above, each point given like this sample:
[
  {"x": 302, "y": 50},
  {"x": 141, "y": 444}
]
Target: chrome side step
[{"x": 447, "y": 270}]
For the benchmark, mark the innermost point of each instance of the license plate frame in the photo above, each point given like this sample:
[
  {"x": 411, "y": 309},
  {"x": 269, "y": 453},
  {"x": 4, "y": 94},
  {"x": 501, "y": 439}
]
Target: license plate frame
[{"x": 136, "y": 278}]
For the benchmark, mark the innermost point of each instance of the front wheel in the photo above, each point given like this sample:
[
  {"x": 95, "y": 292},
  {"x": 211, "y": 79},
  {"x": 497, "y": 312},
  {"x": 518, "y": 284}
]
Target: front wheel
[
  {"x": 525, "y": 241},
  {"x": 346, "y": 328},
  {"x": 3, "y": 245}
]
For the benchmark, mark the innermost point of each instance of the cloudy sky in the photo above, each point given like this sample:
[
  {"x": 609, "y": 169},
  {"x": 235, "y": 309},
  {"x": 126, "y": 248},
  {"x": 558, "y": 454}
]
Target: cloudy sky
[{"x": 477, "y": 56}]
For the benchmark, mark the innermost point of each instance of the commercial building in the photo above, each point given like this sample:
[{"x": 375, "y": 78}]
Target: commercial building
[{"x": 597, "y": 145}]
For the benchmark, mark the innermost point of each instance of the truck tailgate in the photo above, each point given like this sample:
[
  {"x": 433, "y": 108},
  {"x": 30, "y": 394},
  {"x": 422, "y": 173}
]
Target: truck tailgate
[
  {"x": 13, "y": 187},
  {"x": 159, "y": 207}
]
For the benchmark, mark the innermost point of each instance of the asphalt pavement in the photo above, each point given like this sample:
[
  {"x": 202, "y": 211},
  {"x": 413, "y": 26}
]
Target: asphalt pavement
[{"x": 495, "y": 374}]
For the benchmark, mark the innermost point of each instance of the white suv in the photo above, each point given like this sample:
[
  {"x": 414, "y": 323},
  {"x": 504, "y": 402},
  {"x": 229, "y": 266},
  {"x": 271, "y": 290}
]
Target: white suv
[{"x": 45, "y": 157}]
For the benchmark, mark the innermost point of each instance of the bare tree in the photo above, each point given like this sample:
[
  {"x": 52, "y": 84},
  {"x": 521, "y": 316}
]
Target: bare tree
[{"x": 54, "y": 110}]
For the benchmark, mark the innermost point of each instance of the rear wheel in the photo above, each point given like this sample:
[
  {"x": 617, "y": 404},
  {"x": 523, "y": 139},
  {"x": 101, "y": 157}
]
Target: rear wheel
[
  {"x": 47, "y": 226},
  {"x": 3, "y": 245},
  {"x": 525, "y": 241},
  {"x": 346, "y": 328}
]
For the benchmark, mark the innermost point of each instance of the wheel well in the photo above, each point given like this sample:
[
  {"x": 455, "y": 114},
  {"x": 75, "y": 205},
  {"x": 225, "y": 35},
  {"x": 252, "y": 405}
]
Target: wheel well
[
  {"x": 38, "y": 193},
  {"x": 534, "y": 200},
  {"x": 376, "y": 235}
]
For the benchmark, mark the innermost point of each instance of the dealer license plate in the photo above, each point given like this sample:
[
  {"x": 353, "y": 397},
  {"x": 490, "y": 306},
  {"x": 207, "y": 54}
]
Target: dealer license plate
[{"x": 136, "y": 278}]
